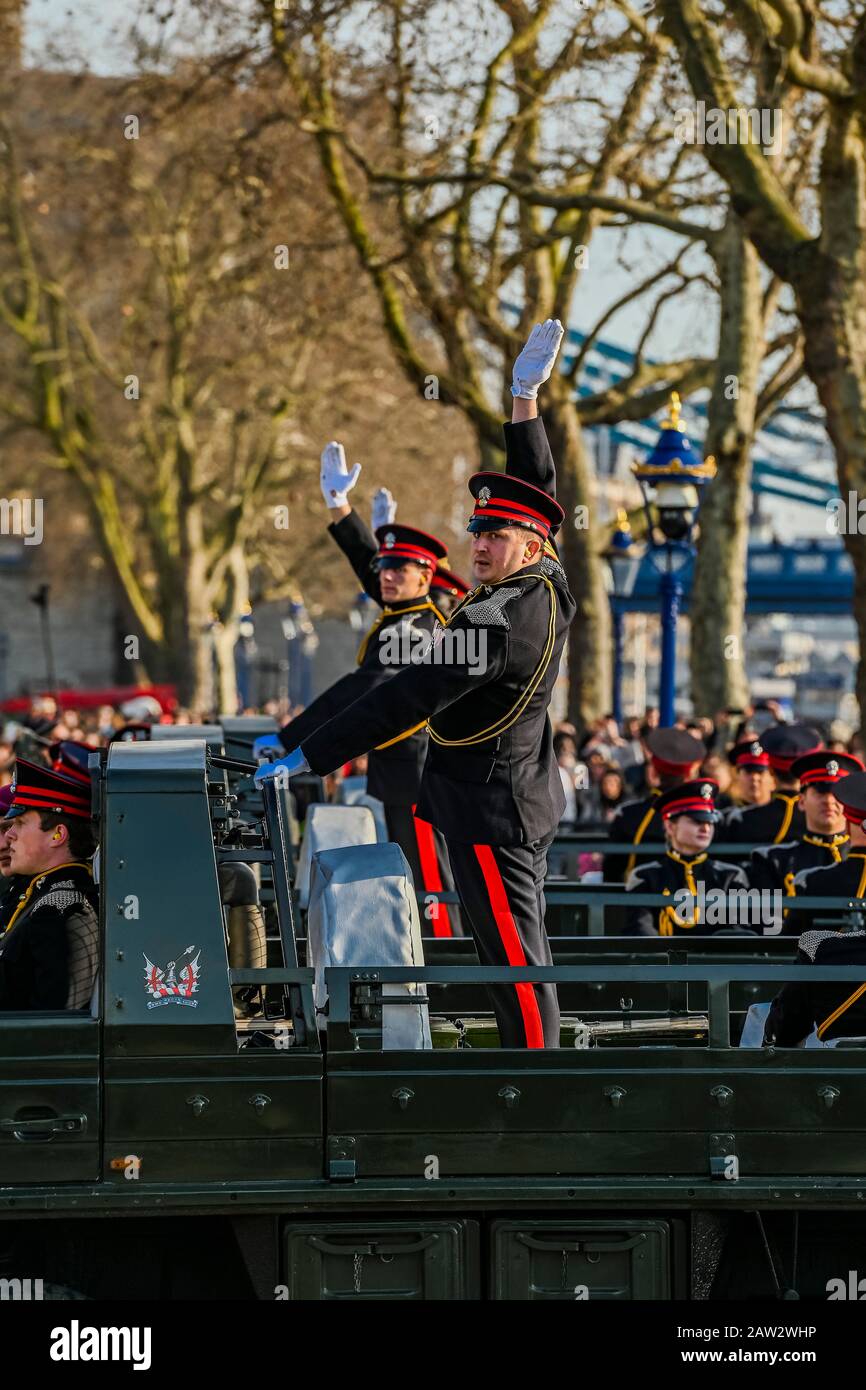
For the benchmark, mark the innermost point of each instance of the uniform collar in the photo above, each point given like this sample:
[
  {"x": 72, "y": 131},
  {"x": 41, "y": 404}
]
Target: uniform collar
[
  {"x": 687, "y": 863},
  {"x": 825, "y": 841}
]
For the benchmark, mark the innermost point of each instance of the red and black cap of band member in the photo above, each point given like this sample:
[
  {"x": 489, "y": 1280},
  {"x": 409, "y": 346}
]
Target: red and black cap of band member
[
  {"x": 852, "y": 796},
  {"x": 785, "y": 743},
  {"x": 501, "y": 501},
  {"x": 823, "y": 770},
  {"x": 674, "y": 751},
  {"x": 449, "y": 582},
  {"x": 71, "y": 758},
  {"x": 399, "y": 543},
  {"x": 696, "y": 799},
  {"x": 749, "y": 756},
  {"x": 38, "y": 788}
]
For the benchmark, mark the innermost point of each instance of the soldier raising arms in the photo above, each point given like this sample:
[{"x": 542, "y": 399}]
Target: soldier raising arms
[{"x": 490, "y": 782}]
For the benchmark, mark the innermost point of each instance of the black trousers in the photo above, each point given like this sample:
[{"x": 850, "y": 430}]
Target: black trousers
[
  {"x": 502, "y": 894},
  {"x": 427, "y": 853}
]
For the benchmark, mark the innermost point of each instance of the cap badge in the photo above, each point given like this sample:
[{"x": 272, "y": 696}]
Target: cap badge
[
  {"x": 832, "y": 767},
  {"x": 706, "y": 791},
  {"x": 484, "y": 496},
  {"x": 755, "y": 748},
  {"x": 390, "y": 539}
]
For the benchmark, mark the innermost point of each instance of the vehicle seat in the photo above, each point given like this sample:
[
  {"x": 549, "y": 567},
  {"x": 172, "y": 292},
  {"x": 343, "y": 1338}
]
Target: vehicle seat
[{"x": 330, "y": 827}]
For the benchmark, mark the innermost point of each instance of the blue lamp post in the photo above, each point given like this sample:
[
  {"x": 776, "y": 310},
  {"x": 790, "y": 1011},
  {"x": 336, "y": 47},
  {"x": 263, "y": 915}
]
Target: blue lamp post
[
  {"x": 623, "y": 563},
  {"x": 671, "y": 481}
]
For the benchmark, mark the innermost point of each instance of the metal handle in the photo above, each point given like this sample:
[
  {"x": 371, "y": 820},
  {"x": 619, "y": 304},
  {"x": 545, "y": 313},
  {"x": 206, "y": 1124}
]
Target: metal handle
[
  {"x": 199, "y": 1104},
  {"x": 829, "y": 1095},
  {"x": 44, "y": 1128},
  {"x": 723, "y": 1095},
  {"x": 372, "y": 1247},
  {"x": 511, "y": 1096},
  {"x": 259, "y": 1102},
  {"x": 402, "y": 1095},
  {"x": 615, "y": 1095}
]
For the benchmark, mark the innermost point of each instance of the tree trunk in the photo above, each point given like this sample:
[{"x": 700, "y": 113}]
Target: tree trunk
[
  {"x": 589, "y": 639},
  {"x": 718, "y": 596}
]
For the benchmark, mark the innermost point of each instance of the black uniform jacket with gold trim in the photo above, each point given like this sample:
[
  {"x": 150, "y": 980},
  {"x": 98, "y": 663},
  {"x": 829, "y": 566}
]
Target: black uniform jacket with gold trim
[
  {"x": 48, "y": 950},
  {"x": 674, "y": 874},
  {"x": 845, "y": 880},
  {"x": 490, "y": 775},
  {"x": 393, "y": 773},
  {"x": 835, "y": 1010},
  {"x": 777, "y": 866},
  {"x": 780, "y": 820},
  {"x": 635, "y": 822}
]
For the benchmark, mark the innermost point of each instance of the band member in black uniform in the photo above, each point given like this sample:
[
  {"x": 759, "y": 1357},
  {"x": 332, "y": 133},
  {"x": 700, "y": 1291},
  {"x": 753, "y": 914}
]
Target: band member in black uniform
[
  {"x": 12, "y": 885},
  {"x": 779, "y": 819},
  {"x": 676, "y": 756},
  {"x": 395, "y": 569},
  {"x": 49, "y": 948},
  {"x": 752, "y": 786},
  {"x": 848, "y": 878},
  {"x": 825, "y": 839},
  {"x": 689, "y": 816},
  {"x": 490, "y": 782}
]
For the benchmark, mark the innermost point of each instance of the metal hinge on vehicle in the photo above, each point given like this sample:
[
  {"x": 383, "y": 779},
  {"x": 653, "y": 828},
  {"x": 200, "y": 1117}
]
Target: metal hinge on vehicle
[
  {"x": 724, "y": 1163},
  {"x": 341, "y": 1158}
]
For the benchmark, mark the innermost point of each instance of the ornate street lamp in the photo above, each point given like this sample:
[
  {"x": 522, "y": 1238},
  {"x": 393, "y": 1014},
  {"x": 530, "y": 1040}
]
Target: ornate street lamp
[
  {"x": 623, "y": 562},
  {"x": 671, "y": 480}
]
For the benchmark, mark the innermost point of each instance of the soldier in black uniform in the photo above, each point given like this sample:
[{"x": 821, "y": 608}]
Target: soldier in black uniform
[
  {"x": 780, "y": 818},
  {"x": 825, "y": 839},
  {"x": 447, "y": 589},
  {"x": 675, "y": 757},
  {"x": 49, "y": 949},
  {"x": 490, "y": 782},
  {"x": 848, "y": 878},
  {"x": 395, "y": 569},
  {"x": 689, "y": 816},
  {"x": 752, "y": 787}
]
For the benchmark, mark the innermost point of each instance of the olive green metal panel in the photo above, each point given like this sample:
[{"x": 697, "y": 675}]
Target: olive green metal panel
[
  {"x": 580, "y": 1260},
  {"x": 49, "y": 1098},
  {"x": 413, "y": 1259}
]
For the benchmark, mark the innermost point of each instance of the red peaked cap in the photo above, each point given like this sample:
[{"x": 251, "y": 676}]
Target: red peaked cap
[
  {"x": 501, "y": 500},
  {"x": 38, "y": 788},
  {"x": 817, "y": 769},
  {"x": 674, "y": 751},
  {"x": 785, "y": 743},
  {"x": 749, "y": 753},
  {"x": 696, "y": 799},
  {"x": 70, "y": 758},
  {"x": 399, "y": 543},
  {"x": 449, "y": 582}
]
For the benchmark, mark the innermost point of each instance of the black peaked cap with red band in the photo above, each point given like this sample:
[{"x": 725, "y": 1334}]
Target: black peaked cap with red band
[
  {"x": 501, "y": 500},
  {"x": 696, "y": 799},
  {"x": 399, "y": 543},
  {"x": 823, "y": 770},
  {"x": 674, "y": 751},
  {"x": 852, "y": 795},
  {"x": 750, "y": 754},
  {"x": 785, "y": 743},
  {"x": 449, "y": 582},
  {"x": 71, "y": 759},
  {"x": 38, "y": 788}
]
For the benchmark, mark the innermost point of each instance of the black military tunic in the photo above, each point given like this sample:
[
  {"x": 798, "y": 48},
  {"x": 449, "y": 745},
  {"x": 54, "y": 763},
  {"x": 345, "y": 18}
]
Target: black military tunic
[
  {"x": 12, "y": 890},
  {"x": 490, "y": 783},
  {"x": 393, "y": 772},
  {"x": 844, "y": 880},
  {"x": 636, "y": 822},
  {"x": 678, "y": 874},
  {"x": 776, "y": 866},
  {"x": 49, "y": 950},
  {"x": 780, "y": 820},
  {"x": 835, "y": 1010}
]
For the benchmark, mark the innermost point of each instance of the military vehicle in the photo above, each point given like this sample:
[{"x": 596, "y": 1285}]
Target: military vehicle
[{"x": 210, "y": 1129}]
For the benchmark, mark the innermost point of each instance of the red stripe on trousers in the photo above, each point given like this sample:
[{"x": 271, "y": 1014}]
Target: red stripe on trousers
[
  {"x": 429, "y": 861},
  {"x": 507, "y": 929}
]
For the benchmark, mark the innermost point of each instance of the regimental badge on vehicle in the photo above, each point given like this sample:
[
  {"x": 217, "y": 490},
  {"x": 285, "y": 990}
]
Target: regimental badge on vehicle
[
  {"x": 484, "y": 496},
  {"x": 176, "y": 983}
]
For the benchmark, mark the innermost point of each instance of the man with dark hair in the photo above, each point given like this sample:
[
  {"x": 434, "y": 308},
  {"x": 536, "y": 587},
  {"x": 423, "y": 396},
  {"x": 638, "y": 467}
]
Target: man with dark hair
[{"x": 49, "y": 949}]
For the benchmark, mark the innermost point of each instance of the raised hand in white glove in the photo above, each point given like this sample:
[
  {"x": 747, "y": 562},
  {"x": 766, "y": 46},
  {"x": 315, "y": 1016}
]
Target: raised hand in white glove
[
  {"x": 384, "y": 509},
  {"x": 536, "y": 358},
  {"x": 335, "y": 478},
  {"x": 282, "y": 769}
]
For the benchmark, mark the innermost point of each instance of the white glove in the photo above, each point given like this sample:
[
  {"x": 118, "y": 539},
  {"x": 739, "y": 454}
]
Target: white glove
[
  {"x": 535, "y": 360},
  {"x": 384, "y": 509},
  {"x": 335, "y": 479},
  {"x": 282, "y": 769}
]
